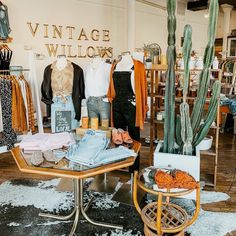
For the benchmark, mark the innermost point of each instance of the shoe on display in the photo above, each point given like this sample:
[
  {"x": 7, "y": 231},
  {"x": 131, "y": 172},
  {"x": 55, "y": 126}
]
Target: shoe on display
[
  {"x": 125, "y": 136},
  {"x": 116, "y": 137}
]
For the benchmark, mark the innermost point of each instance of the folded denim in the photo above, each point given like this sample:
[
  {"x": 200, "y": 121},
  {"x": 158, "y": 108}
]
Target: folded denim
[
  {"x": 63, "y": 103},
  {"x": 114, "y": 154},
  {"x": 88, "y": 148}
]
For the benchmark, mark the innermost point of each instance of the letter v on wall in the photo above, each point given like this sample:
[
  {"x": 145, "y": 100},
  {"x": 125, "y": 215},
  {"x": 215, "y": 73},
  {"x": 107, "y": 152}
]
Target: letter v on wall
[{"x": 33, "y": 31}]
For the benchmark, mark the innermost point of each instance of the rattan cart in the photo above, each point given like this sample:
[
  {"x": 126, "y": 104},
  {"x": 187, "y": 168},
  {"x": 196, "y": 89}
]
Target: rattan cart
[{"x": 162, "y": 217}]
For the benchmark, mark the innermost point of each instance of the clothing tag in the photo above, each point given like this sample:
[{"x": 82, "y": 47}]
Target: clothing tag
[{"x": 105, "y": 100}]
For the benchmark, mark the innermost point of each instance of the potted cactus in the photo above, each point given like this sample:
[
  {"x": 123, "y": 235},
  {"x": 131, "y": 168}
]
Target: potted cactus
[{"x": 187, "y": 130}]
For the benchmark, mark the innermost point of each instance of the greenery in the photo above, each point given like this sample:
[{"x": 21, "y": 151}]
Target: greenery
[{"x": 188, "y": 131}]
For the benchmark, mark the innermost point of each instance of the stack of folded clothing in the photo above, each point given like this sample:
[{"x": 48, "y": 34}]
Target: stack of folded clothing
[
  {"x": 174, "y": 179},
  {"x": 91, "y": 151},
  {"x": 43, "y": 142},
  {"x": 88, "y": 148}
]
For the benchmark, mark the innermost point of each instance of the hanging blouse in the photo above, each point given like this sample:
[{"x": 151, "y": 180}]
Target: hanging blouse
[
  {"x": 19, "y": 120},
  {"x": 9, "y": 136},
  {"x": 62, "y": 80},
  {"x": 97, "y": 79},
  {"x": 30, "y": 107}
]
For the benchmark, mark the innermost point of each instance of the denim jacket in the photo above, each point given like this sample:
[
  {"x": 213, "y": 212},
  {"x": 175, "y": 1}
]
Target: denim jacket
[{"x": 4, "y": 22}]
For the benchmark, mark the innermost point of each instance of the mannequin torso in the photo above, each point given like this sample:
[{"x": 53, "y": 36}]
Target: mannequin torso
[
  {"x": 125, "y": 64},
  {"x": 61, "y": 63},
  {"x": 62, "y": 77},
  {"x": 97, "y": 77},
  {"x": 96, "y": 62}
]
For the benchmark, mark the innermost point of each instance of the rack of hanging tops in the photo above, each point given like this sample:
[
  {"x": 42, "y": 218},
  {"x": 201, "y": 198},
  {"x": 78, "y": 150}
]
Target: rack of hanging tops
[{"x": 16, "y": 105}]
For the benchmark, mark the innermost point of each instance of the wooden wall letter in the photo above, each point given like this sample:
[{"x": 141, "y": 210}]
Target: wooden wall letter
[
  {"x": 83, "y": 34},
  {"x": 106, "y": 35},
  {"x": 70, "y": 31},
  {"x": 52, "y": 49},
  {"x": 57, "y": 31},
  {"x": 95, "y": 35},
  {"x": 33, "y": 31}
]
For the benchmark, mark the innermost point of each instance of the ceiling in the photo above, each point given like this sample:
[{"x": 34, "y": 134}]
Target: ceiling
[
  {"x": 162, "y": 3},
  {"x": 230, "y": 2}
]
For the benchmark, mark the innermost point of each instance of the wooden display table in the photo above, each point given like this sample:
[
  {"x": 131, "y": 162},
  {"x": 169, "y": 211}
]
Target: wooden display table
[
  {"x": 163, "y": 217},
  {"x": 77, "y": 173}
]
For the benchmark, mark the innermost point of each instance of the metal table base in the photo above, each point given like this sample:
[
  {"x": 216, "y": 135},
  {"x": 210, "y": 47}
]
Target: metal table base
[{"x": 79, "y": 208}]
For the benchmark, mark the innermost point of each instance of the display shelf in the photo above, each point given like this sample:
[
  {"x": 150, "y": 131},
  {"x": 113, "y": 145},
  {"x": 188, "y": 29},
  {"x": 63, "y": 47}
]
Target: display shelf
[
  {"x": 179, "y": 98},
  {"x": 209, "y": 179},
  {"x": 211, "y": 152},
  {"x": 158, "y": 121}
]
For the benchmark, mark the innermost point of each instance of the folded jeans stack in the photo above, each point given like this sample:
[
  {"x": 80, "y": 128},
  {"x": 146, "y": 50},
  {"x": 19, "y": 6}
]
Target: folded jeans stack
[
  {"x": 91, "y": 151},
  {"x": 88, "y": 148}
]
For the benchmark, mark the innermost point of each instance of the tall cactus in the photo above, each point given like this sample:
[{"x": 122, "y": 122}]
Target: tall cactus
[
  {"x": 186, "y": 128},
  {"x": 198, "y": 108},
  {"x": 189, "y": 132},
  {"x": 169, "y": 125}
]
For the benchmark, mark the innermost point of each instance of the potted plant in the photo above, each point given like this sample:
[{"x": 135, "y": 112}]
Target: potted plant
[
  {"x": 183, "y": 133},
  {"x": 148, "y": 63}
]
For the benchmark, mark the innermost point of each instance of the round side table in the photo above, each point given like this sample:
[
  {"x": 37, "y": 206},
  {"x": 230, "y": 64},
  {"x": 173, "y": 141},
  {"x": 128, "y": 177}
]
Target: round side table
[{"x": 162, "y": 216}]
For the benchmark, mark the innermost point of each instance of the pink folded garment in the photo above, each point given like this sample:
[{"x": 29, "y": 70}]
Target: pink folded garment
[{"x": 45, "y": 142}]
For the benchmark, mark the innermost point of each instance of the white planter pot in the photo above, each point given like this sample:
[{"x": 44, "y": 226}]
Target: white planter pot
[
  {"x": 190, "y": 164},
  {"x": 205, "y": 144}
]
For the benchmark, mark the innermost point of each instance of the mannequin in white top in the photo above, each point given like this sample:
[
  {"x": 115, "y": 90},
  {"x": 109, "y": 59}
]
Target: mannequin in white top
[
  {"x": 96, "y": 61},
  {"x": 97, "y": 78}
]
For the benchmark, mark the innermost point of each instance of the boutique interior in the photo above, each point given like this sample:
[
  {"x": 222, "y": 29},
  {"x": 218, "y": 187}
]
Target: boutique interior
[{"x": 118, "y": 117}]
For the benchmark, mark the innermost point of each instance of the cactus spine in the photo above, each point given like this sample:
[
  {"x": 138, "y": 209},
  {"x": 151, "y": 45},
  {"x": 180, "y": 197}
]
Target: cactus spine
[{"x": 169, "y": 125}]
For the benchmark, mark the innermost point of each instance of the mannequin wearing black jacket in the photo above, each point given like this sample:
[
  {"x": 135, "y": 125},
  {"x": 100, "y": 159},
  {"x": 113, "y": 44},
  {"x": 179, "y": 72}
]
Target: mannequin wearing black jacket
[{"x": 77, "y": 89}]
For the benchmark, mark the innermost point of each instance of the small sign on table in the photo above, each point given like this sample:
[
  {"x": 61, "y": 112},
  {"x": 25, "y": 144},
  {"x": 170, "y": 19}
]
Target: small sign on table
[{"x": 63, "y": 121}]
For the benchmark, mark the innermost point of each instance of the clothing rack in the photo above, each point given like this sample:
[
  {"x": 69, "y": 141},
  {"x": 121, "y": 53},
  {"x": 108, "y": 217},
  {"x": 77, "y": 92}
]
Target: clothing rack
[
  {"x": 14, "y": 70},
  {"x": 7, "y": 73}
]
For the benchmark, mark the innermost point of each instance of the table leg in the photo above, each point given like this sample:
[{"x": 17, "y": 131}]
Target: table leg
[
  {"x": 77, "y": 206},
  {"x": 78, "y": 195},
  {"x": 57, "y": 217},
  {"x": 86, "y": 216}
]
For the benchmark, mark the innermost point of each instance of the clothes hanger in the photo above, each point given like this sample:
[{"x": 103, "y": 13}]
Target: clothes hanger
[
  {"x": 126, "y": 53},
  {"x": 61, "y": 56},
  {"x": 97, "y": 56}
]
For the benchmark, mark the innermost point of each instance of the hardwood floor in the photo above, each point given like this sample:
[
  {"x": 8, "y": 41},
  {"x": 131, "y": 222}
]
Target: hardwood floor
[{"x": 226, "y": 171}]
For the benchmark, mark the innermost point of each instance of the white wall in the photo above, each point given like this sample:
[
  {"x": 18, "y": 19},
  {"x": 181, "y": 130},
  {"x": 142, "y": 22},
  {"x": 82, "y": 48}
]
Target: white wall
[
  {"x": 220, "y": 23},
  {"x": 151, "y": 26},
  {"x": 87, "y": 14}
]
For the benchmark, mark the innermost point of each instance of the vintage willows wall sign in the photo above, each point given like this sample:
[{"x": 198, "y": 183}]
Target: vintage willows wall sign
[{"x": 72, "y": 33}]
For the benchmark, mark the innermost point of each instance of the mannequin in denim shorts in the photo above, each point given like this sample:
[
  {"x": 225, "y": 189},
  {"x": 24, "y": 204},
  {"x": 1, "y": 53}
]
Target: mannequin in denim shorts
[
  {"x": 97, "y": 77},
  {"x": 63, "y": 90}
]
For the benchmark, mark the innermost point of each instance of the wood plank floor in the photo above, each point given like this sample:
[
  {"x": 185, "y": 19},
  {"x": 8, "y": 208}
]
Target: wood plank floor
[{"x": 226, "y": 171}]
